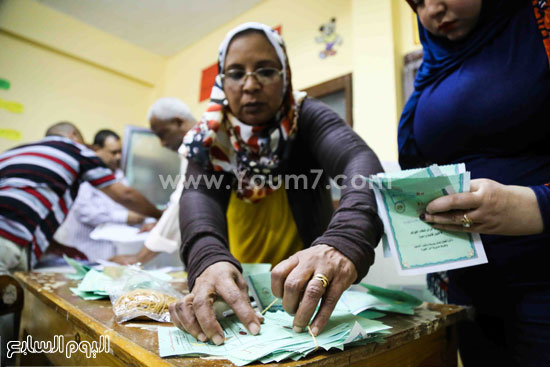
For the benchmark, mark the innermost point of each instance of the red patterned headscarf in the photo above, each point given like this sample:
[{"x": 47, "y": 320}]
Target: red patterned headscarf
[{"x": 255, "y": 155}]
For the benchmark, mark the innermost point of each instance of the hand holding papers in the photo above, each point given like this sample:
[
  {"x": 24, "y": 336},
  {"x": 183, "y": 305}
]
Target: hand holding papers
[{"x": 417, "y": 247}]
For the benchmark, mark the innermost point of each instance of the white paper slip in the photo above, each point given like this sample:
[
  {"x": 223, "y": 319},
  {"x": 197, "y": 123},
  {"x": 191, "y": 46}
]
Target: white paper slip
[{"x": 118, "y": 233}]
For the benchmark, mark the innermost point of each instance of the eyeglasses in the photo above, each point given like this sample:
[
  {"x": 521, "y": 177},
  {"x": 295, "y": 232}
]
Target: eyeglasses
[{"x": 264, "y": 76}]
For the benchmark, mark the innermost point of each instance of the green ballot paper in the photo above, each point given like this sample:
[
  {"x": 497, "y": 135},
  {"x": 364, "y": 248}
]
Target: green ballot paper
[
  {"x": 355, "y": 300},
  {"x": 259, "y": 288},
  {"x": 350, "y": 324},
  {"x": 416, "y": 246},
  {"x": 259, "y": 268},
  {"x": 276, "y": 340},
  {"x": 80, "y": 269}
]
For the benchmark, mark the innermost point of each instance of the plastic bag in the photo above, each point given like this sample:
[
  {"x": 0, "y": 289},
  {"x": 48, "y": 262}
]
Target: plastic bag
[{"x": 139, "y": 295}]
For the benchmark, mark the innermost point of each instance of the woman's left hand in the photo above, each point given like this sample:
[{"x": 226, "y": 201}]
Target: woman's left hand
[
  {"x": 292, "y": 280},
  {"x": 493, "y": 208}
]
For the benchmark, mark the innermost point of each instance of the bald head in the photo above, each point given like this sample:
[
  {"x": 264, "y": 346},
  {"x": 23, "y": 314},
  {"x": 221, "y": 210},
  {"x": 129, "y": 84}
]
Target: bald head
[{"x": 67, "y": 130}]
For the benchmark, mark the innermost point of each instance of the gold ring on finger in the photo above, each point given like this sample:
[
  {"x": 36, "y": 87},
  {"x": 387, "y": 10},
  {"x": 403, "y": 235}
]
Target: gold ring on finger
[
  {"x": 322, "y": 278},
  {"x": 466, "y": 221}
]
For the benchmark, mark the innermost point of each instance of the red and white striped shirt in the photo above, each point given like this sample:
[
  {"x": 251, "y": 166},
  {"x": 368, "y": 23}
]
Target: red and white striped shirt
[{"x": 38, "y": 184}]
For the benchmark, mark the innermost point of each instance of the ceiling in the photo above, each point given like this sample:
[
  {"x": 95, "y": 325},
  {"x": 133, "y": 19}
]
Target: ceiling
[{"x": 163, "y": 27}]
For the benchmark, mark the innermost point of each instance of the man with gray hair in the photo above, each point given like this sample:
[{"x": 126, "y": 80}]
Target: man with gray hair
[{"x": 170, "y": 119}]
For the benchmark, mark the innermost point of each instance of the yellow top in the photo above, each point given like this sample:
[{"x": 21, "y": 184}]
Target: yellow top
[{"x": 263, "y": 232}]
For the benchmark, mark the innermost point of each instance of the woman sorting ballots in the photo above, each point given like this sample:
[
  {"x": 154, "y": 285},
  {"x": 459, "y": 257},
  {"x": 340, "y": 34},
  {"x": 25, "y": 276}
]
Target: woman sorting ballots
[
  {"x": 482, "y": 97},
  {"x": 258, "y": 129}
]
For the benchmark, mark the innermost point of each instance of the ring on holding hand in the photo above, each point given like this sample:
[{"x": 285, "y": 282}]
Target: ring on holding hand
[
  {"x": 466, "y": 221},
  {"x": 322, "y": 278}
]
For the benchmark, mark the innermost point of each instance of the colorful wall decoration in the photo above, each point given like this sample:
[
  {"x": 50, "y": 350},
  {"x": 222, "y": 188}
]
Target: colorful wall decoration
[
  {"x": 208, "y": 76},
  {"x": 4, "y": 84},
  {"x": 329, "y": 38},
  {"x": 11, "y": 134},
  {"x": 14, "y": 107}
]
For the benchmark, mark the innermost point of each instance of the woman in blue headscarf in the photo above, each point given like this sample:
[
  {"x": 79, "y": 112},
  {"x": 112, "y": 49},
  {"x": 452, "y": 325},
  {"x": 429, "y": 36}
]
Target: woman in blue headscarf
[{"x": 482, "y": 97}]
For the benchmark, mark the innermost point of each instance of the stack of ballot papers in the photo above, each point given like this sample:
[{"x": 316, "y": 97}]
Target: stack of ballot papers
[
  {"x": 355, "y": 300},
  {"x": 80, "y": 269},
  {"x": 277, "y": 341},
  {"x": 93, "y": 286},
  {"x": 416, "y": 246},
  {"x": 382, "y": 299},
  {"x": 94, "y": 283}
]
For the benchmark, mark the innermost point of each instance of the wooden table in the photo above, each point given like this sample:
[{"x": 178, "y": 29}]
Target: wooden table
[{"x": 426, "y": 339}]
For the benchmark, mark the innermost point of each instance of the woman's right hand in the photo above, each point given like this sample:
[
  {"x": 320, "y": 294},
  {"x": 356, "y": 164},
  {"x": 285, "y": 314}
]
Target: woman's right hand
[{"x": 195, "y": 312}]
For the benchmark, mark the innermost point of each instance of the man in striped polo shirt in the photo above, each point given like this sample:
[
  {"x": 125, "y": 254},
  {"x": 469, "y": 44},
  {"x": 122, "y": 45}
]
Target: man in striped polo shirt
[
  {"x": 38, "y": 184},
  {"x": 92, "y": 207}
]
